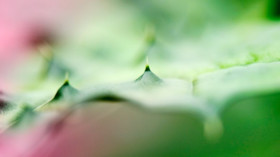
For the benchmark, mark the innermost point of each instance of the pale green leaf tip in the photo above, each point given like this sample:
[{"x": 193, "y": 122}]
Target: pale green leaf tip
[{"x": 66, "y": 80}]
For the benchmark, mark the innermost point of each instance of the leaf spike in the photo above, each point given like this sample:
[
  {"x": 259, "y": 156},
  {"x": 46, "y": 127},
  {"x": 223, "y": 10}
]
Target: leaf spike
[
  {"x": 66, "y": 77},
  {"x": 147, "y": 64},
  {"x": 147, "y": 68}
]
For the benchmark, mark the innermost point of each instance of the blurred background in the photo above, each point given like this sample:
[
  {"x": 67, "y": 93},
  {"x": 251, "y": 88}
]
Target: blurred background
[
  {"x": 181, "y": 38},
  {"x": 222, "y": 58}
]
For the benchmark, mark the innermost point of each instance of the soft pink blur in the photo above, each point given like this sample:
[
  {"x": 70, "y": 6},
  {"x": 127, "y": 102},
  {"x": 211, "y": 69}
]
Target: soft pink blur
[
  {"x": 69, "y": 142},
  {"x": 24, "y": 25},
  {"x": 70, "y": 136},
  {"x": 22, "y": 22}
]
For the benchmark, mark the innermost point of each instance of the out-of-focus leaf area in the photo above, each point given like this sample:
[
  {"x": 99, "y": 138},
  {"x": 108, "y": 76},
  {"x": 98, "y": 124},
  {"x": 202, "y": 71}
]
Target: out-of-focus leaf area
[{"x": 140, "y": 78}]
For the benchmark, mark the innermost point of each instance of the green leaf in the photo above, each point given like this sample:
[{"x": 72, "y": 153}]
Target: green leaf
[
  {"x": 65, "y": 93},
  {"x": 23, "y": 117},
  {"x": 159, "y": 95},
  {"x": 238, "y": 82}
]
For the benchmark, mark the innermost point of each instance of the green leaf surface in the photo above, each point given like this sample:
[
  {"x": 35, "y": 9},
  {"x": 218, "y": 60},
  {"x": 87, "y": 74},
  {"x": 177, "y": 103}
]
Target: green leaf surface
[{"x": 213, "y": 69}]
